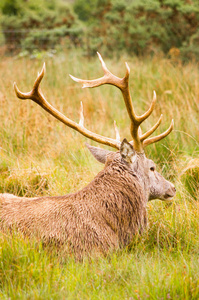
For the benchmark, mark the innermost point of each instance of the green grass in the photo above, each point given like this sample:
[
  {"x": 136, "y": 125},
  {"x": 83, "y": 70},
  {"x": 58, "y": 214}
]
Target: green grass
[{"x": 39, "y": 156}]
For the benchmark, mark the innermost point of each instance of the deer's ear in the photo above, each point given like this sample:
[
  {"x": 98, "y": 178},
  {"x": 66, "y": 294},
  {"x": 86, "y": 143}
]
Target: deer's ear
[
  {"x": 99, "y": 153},
  {"x": 127, "y": 151}
]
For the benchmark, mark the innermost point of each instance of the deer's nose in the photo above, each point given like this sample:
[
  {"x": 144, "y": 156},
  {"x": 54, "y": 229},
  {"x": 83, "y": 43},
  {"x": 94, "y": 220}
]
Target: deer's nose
[
  {"x": 173, "y": 188},
  {"x": 170, "y": 192}
]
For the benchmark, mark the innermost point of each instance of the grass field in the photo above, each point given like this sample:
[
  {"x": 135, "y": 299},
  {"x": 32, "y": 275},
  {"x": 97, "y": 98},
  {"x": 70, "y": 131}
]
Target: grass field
[{"x": 40, "y": 156}]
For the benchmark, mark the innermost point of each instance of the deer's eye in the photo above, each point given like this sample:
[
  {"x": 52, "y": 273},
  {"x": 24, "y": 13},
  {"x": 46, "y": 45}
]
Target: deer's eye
[{"x": 152, "y": 169}]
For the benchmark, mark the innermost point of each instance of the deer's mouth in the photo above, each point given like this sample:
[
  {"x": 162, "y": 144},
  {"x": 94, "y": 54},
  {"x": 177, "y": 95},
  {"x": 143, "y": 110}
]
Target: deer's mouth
[{"x": 170, "y": 195}]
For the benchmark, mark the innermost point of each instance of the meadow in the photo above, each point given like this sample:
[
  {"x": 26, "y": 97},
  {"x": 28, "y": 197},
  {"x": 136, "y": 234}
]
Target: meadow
[{"x": 40, "y": 156}]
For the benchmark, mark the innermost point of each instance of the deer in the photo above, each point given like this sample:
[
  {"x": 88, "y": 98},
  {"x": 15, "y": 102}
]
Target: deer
[{"x": 106, "y": 214}]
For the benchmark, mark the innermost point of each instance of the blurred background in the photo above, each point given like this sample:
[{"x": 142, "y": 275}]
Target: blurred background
[{"x": 114, "y": 27}]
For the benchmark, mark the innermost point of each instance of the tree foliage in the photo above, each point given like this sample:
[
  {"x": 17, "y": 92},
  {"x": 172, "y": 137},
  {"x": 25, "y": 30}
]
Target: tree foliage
[
  {"x": 36, "y": 23},
  {"x": 113, "y": 26}
]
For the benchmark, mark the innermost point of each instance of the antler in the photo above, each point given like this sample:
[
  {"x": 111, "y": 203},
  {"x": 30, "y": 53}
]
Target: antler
[
  {"x": 37, "y": 96},
  {"x": 139, "y": 141}
]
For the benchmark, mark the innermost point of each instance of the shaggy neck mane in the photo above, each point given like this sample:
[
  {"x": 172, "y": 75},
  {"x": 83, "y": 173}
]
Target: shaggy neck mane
[{"x": 117, "y": 197}]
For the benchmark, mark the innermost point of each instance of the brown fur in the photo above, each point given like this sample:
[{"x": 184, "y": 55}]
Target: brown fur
[{"x": 103, "y": 215}]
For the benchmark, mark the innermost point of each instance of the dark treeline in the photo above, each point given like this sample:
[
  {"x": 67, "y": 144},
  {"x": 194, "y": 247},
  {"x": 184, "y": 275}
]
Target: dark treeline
[{"x": 140, "y": 27}]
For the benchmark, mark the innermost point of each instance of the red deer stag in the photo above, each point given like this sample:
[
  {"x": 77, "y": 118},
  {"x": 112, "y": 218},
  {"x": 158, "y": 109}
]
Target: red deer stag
[{"x": 112, "y": 208}]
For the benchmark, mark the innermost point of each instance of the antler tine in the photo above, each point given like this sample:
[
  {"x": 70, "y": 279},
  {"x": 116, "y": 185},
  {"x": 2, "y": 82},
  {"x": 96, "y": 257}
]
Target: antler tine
[
  {"x": 144, "y": 137},
  {"x": 151, "y": 130},
  {"x": 116, "y": 132},
  {"x": 81, "y": 120},
  {"x": 36, "y": 95},
  {"x": 143, "y": 117},
  {"x": 158, "y": 137},
  {"x": 104, "y": 67}
]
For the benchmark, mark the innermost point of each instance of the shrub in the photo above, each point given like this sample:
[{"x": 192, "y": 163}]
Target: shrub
[
  {"x": 36, "y": 24},
  {"x": 141, "y": 27}
]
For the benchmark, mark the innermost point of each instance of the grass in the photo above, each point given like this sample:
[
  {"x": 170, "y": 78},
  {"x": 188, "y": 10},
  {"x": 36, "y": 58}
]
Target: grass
[{"x": 39, "y": 156}]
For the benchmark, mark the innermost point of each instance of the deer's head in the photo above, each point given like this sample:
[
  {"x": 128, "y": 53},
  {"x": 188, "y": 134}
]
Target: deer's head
[
  {"x": 130, "y": 153},
  {"x": 154, "y": 184}
]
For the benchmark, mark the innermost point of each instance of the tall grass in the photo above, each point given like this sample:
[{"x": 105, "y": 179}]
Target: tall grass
[{"x": 39, "y": 156}]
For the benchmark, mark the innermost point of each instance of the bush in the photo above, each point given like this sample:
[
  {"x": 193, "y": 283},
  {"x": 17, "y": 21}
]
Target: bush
[
  {"x": 141, "y": 27},
  {"x": 36, "y": 24}
]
